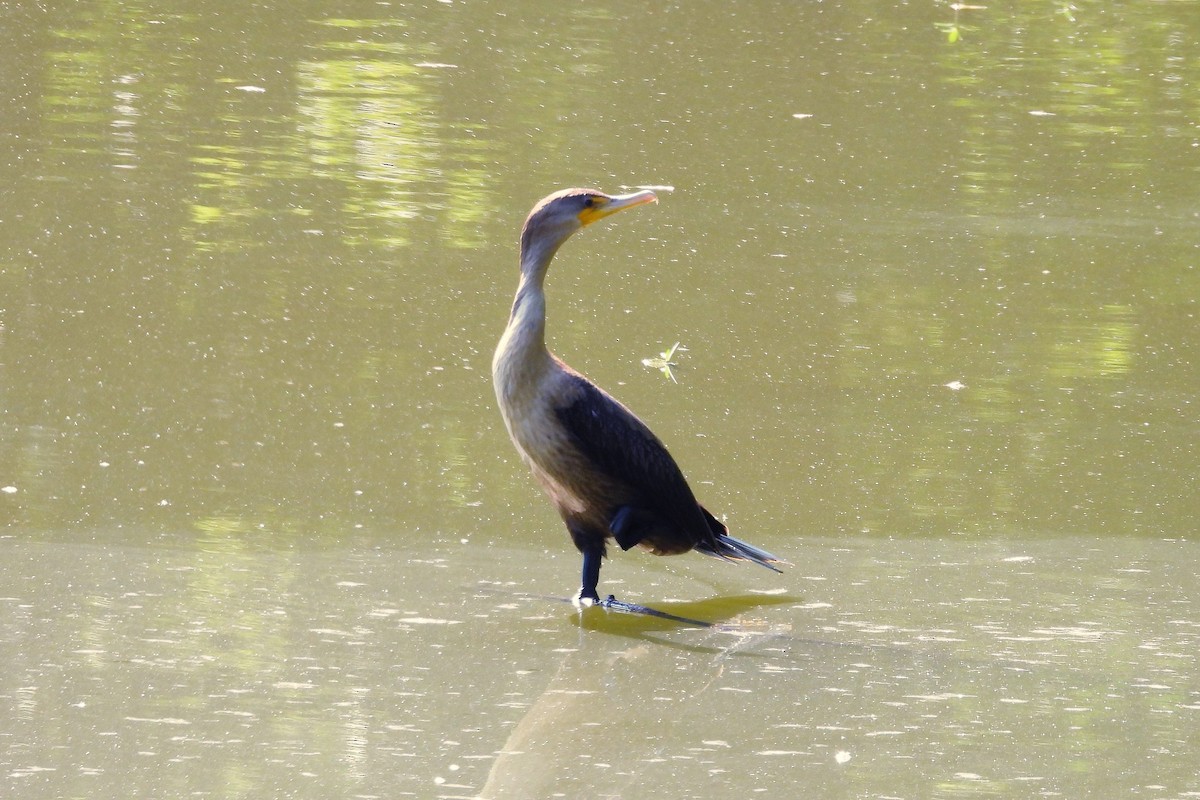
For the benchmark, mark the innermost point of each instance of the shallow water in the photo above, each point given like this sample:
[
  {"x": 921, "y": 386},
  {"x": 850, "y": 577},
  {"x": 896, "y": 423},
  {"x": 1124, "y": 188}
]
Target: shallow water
[
  {"x": 1060, "y": 667},
  {"x": 262, "y": 533}
]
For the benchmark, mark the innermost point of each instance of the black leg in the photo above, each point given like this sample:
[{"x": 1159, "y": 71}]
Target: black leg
[{"x": 591, "y": 578}]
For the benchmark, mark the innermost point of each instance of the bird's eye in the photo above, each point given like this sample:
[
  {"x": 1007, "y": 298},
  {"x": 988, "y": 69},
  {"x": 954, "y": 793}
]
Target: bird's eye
[{"x": 589, "y": 202}]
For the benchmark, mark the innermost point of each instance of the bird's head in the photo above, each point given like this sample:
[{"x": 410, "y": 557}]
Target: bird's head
[{"x": 555, "y": 218}]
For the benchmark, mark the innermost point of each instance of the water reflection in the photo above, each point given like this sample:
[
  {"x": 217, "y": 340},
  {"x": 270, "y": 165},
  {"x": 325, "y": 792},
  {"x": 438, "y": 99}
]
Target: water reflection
[
  {"x": 1104, "y": 347},
  {"x": 1083, "y": 103}
]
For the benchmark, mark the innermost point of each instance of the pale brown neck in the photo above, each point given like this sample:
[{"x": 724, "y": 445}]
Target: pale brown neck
[{"x": 521, "y": 358}]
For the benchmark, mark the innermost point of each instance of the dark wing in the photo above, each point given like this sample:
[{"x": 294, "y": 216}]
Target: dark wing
[{"x": 620, "y": 446}]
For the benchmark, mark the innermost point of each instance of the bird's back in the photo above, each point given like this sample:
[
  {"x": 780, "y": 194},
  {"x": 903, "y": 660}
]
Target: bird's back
[{"x": 617, "y": 462}]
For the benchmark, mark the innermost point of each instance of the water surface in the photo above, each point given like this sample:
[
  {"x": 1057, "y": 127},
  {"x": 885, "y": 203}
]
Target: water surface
[{"x": 934, "y": 278}]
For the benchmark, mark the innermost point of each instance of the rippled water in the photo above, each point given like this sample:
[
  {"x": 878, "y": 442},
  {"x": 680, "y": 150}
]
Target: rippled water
[{"x": 1024, "y": 667}]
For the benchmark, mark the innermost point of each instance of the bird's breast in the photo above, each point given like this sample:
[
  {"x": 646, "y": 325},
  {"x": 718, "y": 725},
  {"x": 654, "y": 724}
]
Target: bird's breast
[
  {"x": 528, "y": 405},
  {"x": 547, "y": 449}
]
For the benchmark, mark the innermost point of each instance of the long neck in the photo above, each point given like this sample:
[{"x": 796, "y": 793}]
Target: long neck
[
  {"x": 521, "y": 358},
  {"x": 526, "y": 331}
]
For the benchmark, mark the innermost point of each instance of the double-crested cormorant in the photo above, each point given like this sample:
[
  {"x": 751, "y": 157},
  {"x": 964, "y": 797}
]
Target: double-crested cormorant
[{"x": 607, "y": 474}]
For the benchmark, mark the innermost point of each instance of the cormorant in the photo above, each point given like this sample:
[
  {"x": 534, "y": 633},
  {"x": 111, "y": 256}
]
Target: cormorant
[{"x": 606, "y": 473}]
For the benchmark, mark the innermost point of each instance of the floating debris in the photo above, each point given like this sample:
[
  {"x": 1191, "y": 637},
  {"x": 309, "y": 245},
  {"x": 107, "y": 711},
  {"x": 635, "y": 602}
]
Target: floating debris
[{"x": 663, "y": 362}]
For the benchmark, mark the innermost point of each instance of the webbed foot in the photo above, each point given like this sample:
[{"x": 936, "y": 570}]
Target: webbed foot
[{"x": 586, "y": 599}]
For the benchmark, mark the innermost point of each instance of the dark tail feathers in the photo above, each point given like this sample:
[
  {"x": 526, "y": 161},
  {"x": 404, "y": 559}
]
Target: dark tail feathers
[{"x": 732, "y": 549}]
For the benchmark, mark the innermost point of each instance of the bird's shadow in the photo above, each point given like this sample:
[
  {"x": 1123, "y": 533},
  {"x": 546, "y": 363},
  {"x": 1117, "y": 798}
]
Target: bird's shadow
[
  {"x": 723, "y": 627},
  {"x": 718, "y": 614}
]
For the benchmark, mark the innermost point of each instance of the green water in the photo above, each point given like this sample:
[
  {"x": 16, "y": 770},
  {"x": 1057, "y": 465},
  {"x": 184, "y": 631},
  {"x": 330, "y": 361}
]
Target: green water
[{"x": 262, "y": 533}]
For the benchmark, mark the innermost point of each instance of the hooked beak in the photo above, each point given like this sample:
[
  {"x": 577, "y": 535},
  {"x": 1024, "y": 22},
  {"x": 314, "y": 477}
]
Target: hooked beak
[{"x": 609, "y": 205}]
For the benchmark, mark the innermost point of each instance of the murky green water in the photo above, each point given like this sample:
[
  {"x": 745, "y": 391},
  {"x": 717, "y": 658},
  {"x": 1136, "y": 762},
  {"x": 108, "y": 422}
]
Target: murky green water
[{"x": 263, "y": 534}]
